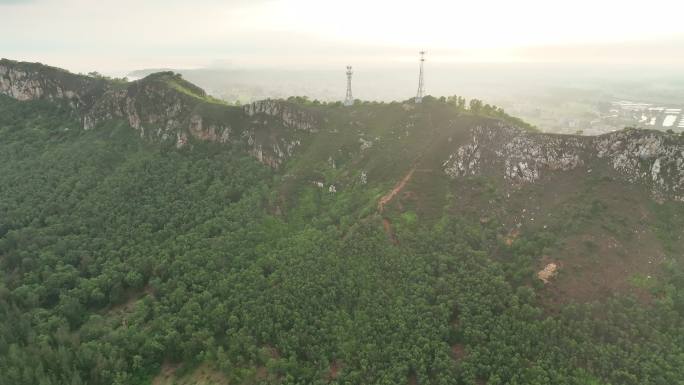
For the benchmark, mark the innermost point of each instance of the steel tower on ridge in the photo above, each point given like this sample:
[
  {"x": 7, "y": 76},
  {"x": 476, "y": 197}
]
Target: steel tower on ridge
[
  {"x": 349, "y": 99},
  {"x": 421, "y": 82}
]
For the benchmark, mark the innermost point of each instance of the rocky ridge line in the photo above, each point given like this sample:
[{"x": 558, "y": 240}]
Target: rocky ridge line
[
  {"x": 655, "y": 159},
  {"x": 162, "y": 107}
]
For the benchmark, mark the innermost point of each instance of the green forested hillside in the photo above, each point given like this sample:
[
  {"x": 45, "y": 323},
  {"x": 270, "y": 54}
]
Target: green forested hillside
[{"x": 126, "y": 262}]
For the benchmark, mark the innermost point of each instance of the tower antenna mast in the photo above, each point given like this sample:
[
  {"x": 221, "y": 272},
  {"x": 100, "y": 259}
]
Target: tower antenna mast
[
  {"x": 349, "y": 99},
  {"x": 421, "y": 82}
]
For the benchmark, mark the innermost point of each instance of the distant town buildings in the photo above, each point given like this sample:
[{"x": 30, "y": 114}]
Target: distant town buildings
[{"x": 648, "y": 115}]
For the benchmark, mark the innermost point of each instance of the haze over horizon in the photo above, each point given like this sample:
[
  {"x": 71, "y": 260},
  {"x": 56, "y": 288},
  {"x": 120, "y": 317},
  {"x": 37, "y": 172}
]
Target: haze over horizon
[{"x": 117, "y": 37}]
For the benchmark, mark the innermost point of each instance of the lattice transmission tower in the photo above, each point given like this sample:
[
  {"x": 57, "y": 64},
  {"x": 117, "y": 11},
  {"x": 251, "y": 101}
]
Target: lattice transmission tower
[
  {"x": 421, "y": 81},
  {"x": 349, "y": 99}
]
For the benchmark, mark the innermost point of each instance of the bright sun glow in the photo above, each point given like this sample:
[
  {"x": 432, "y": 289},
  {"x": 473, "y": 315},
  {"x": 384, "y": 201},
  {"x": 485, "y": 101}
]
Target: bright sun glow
[
  {"x": 491, "y": 24},
  {"x": 130, "y": 33}
]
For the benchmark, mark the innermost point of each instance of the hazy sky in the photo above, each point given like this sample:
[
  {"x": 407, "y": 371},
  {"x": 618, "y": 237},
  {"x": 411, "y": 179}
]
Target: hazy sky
[{"x": 117, "y": 36}]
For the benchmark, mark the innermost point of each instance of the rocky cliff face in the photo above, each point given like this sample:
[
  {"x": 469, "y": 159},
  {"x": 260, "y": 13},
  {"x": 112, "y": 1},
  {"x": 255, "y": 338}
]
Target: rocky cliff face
[
  {"x": 650, "y": 157},
  {"x": 162, "y": 107},
  {"x": 519, "y": 156},
  {"x": 290, "y": 117},
  {"x": 637, "y": 156},
  {"x": 32, "y": 81},
  {"x": 156, "y": 109}
]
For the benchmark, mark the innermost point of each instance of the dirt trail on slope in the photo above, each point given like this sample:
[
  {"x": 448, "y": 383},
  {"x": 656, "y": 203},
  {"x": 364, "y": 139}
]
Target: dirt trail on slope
[
  {"x": 387, "y": 225},
  {"x": 387, "y": 198}
]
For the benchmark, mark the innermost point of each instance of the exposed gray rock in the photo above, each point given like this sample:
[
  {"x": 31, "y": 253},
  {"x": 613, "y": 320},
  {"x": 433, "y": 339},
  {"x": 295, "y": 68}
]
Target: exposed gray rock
[
  {"x": 466, "y": 160},
  {"x": 523, "y": 157},
  {"x": 29, "y": 81},
  {"x": 363, "y": 178},
  {"x": 162, "y": 107},
  {"x": 365, "y": 144},
  {"x": 649, "y": 157},
  {"x": 653, "y": 158},
  {"x": 291, "y": 117}
]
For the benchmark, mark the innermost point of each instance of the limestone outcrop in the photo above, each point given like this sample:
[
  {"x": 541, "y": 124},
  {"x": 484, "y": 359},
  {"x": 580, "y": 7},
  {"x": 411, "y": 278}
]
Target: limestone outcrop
[
  {"x": 164, "y": 107},
  {"x": 290, "y": 116},
  {"x": 519, "y": 156}
]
